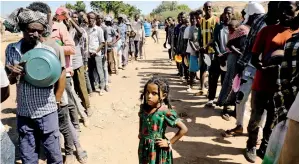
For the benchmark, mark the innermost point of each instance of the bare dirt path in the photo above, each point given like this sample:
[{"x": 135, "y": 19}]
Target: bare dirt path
[{"x": 112, "y": 136}]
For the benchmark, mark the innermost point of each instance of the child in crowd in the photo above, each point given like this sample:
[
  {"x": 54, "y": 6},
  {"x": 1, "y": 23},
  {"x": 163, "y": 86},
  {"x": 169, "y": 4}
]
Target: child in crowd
[{"x": 156, "y": 114}]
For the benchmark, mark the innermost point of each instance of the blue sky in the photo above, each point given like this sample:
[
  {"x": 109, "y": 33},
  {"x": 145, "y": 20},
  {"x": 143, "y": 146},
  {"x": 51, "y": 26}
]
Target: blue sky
[{"x": 146, "y": 6}]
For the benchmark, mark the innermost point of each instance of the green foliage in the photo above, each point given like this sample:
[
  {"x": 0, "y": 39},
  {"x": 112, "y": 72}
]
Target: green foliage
[
  {"x": 183, "y": 7},
  {"x": 78, "y": 6},
  {"x": 167, "y": 9},
  {"x": 115, "y": 7},
  {"x": 165, "y": 6}
]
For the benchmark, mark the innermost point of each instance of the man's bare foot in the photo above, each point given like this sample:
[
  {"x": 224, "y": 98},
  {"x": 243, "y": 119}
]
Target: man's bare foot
[
  {"x": 86, "y": 122},
  {"x": 69, "y": 159}
]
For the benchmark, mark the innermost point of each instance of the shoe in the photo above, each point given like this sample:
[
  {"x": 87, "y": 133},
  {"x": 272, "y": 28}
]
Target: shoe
[
  {"x": 209, "y": 103},
  {"x": 189, "y": 89},
  {"x": 182, "y": 78},
  {"x": 260, "y": 153},
  {"x": 200, "y": 93},
  {"x": 169, "y": 60},
  {"x": 250, "y": 154},
  {"x": 237, "y": 131},
  {"x": 107, "y": 89},
  {"x": 86, "y": 122},
  {"x": 262, "y": 150}
]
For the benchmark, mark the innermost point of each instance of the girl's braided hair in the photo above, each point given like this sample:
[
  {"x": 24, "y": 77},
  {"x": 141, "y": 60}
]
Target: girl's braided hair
[{"x": 162, "y": 86}]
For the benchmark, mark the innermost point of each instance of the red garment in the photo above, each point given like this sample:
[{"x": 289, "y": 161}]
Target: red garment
[
  {"x": 240, "y": 31},
  {"x": 269, "y": 39}
]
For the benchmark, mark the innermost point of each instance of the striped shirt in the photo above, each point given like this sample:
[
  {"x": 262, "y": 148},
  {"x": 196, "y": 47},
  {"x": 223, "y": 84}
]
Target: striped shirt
[
  {"x": 288, "y": 81},
  {"x": 257, "y": 25},
  {"x": 33, "y": 102},
  {"x": 207, "y": 30}
]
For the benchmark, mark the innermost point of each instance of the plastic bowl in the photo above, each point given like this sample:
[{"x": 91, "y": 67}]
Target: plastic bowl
[
  {"x": 42, "y": 68},
  {"x": 178, "y": 58}
]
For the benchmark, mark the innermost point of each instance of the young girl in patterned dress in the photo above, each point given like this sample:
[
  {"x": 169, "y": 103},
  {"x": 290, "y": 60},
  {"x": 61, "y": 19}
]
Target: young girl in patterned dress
[{"x": 155, "y": 115}]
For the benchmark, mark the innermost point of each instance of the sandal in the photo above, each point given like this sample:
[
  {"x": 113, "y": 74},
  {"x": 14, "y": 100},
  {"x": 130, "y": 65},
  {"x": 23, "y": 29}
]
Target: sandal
[
  {"x": 200, "y": 93},
  {"x": 237, "y": 131},
  {"x": 225, "y": 116},
  {"x": 82, "y": 157}
]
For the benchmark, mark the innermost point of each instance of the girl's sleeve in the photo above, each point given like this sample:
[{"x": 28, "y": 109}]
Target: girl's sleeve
[{"x": 171, "y": 118}]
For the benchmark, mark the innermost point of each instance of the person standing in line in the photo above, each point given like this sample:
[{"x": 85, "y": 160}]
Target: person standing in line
[
  {"x": 62, "y": 36},
  {"x": 208, "y": 23},
  {"x": 137, "y": 27},
  {"x": 96, "y": 45},
  {"x": 170, "y": 36},
  {"x": 155, "y": 26},
  {"x": 7, "y": 150},
  {"x": 269, "y": 39},
  {"x": 166, "y": 36},
  {"x": 286, "y": 101},
  {"x": 122, "y": 28},
  {"x": 219, "y": 44},
  {"x": 101, "y": 23},
  {"x": 193, "y": 35},
  {"x": 111, "y": 40},
  {"x": 83, "y": 23},
  {"x": 142, "y": 40},
  {"x": 37, "y": 117},
  {"x": 181, "y": 47},
  {"x": 78, "y": 85},
  {"x": 44, "y": 8},
  {"x": 256, "y": 20},
  {"x": 181, "y": 18}
]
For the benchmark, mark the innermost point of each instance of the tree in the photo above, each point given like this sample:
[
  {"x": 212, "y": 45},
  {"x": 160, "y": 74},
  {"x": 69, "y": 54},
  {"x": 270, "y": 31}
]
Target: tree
[
  {"x": 78, "y": 6},
  {"x": 115, "y": 7},
  {"x": 169, "y": 8},
  {"x": 70, "y": 6},
  {"x": 183, "y": 7},
  {"x": 165, "y": 6}
]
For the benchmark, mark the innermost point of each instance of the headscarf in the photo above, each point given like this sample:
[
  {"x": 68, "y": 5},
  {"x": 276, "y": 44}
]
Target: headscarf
[
  {"x": 253, "y": 8},
  {"x": 22, "y": 16}
]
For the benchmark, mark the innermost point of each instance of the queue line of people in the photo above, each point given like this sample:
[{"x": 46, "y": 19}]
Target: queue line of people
[
  {"x": 259, "y": 51},
  {"x": 91, "y": 48}
]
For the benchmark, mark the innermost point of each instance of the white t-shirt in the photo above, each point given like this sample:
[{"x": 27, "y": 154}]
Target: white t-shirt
[
  {"x": 156, "y": 26},
  {"x": 187, "y": 36},
  {"x": 4, "y": 79},
  {"x": 137, "y": 27},
  {"x": 294, "y": 110}
]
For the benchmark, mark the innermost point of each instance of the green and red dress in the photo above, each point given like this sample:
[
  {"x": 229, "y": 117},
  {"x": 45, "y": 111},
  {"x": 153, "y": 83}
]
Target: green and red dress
[{"x": 153, "y": 126}]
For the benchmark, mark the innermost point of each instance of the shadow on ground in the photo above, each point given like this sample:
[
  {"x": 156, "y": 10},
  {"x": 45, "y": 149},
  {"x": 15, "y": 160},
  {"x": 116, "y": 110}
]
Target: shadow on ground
[{"x": 189, "y": 107}]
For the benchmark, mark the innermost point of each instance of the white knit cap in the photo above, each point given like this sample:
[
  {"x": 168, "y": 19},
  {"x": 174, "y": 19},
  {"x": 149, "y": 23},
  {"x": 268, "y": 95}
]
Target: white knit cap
[{"x": 253, "y": 8}]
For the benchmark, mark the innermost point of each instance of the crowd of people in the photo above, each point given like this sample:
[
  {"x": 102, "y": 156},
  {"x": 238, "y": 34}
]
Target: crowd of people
[
  {"x": 254, "y": 56},
  {"x": 91, "y": 48},
  {"x": 261, "y": 52}
]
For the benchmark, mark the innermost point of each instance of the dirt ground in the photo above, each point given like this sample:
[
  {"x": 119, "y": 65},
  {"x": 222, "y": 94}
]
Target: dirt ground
[{"x": 112, "y": 137}]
